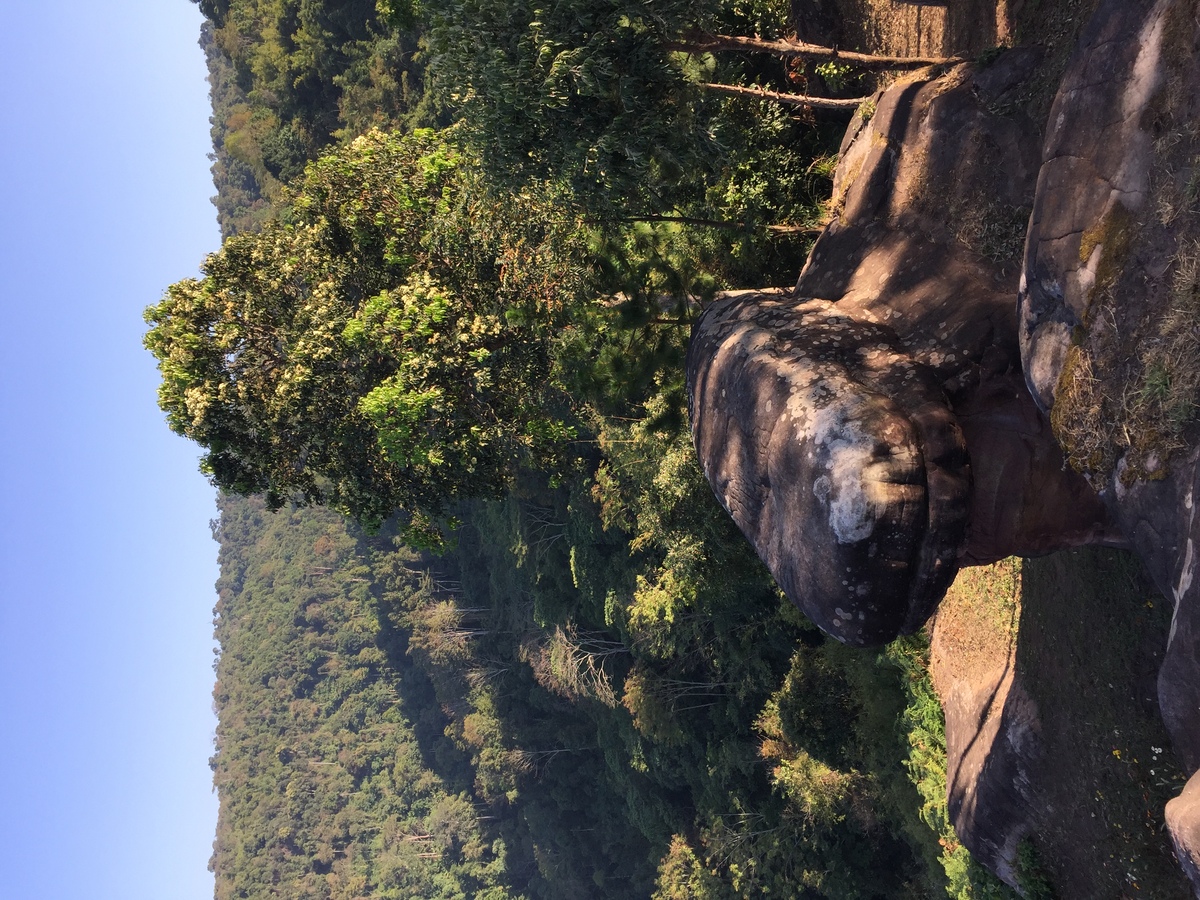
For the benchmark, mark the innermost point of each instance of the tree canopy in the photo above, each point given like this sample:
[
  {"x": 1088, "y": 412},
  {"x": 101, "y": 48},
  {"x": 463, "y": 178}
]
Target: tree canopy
[
  {"x": 584, "y": 90},
  {"x": 597, "y": 691},
  {"x": 383, "y": 345}
]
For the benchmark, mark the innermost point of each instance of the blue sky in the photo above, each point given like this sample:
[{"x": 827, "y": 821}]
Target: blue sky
[{"x": 108, "y": 567}]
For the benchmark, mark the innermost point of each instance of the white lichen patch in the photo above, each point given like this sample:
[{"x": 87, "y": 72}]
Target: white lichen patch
[
  {"x": 854, "y": 502},
  {"x": 852, "y": 513}
]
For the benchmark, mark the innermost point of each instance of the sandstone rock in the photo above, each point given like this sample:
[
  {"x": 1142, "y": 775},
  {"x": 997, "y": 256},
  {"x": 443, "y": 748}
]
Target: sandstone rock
[
  {"x": 1023, "y": 500},
  {"x": 1110, "y": 327},
  {"x": 835, "y": 433},
  {"x": 869, "y": 432},
  {"x": 837, "y": 456},
  {"x": 993, "y": 730},
  {"x": 993, "y": 751},
  {"x": 932, "y": 196},
  {"x": 1183, "y": 823},
  {"x": 1093, "y": 186},
  {"x": 933, "y": 193}
]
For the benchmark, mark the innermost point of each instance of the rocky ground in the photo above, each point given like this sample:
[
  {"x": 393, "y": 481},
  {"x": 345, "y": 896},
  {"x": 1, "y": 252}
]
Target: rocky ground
[{"x": 1083, "y": 630}]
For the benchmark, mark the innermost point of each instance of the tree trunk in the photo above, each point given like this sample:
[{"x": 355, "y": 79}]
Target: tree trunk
[
  {"x": 722, "y": 223},
  {"x": 700, "y": 42},
  {"x": 752, "y": 93}
]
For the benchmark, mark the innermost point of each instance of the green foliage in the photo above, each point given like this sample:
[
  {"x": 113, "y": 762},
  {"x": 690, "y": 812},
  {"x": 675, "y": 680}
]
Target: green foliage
[
  {"x": 290, "y": 77},
  {"x": 324, "y": 784},
  {"x": 593, "y": 97},
  {"x": 838, "y": 76},
  {"x": 582, "y": 91},
  {"x": 1034, "y": 883},
  {"x": 384, "y": 345},
  {"x": 642, "y": 676},
  {"x": 597, "y": 691},
  {"x": 924, "y": 727},
  {"x": 682, "y": 875},
  {"x": 411, "y": 327}
]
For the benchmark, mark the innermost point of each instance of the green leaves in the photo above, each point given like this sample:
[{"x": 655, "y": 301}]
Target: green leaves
[
  {"x": 584, "y": 92},
  {"x": 433, "y": 412},
  {"x": 328, "y": 783},
  {"x": 384, "y": 344}
]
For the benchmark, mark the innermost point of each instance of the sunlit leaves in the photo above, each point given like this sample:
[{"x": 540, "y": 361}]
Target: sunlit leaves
[{"x": 384, "y": 344}]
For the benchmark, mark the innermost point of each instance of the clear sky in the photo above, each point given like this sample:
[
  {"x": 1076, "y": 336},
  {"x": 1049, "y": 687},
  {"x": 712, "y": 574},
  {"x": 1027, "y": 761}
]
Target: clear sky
[{"x": 108, "y": 567}]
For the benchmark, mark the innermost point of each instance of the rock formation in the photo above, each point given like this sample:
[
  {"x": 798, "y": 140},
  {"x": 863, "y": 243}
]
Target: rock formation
[
  {"x": 871, "y": 431},
  {"x": 1110, "y": 316},
  {"x": 836, "y": 423},
  {"x": 897, "y": 416},
  {"x": 836, "y": 454}
]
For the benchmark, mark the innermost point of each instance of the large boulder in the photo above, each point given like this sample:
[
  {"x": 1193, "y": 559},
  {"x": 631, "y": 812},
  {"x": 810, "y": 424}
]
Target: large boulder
[
  {"x": 836, "y": 454},
  {"x": 993, "y": 757},
  {"x": 1183, "y": 822},
  {"x": 931, "y": 199},
  {"x": 869, "y": 431},
  {"x": 1110, "y": 315}
]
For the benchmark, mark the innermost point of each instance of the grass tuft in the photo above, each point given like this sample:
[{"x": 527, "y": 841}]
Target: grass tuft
[
  {"x": 1165, "y": 401},
  {"x": 1148, "y": 421},
  {"x": 1113, "y": 234},
  {"x": 1082, "y": 421}
]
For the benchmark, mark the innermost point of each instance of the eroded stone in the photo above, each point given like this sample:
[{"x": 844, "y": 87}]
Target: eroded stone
[
  {"x": 837, "y": 456},
  {"x": 1107, "y": 325}
]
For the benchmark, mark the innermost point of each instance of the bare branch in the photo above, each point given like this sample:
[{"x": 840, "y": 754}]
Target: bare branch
[
  {"x": 700, "y": 42},
  {"x": 755, "y": 93},
  {"x": 721, "y": 223}
]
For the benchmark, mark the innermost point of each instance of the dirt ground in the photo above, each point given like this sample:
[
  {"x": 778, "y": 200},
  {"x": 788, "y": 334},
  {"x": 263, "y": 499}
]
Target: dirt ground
[
  {"x": 1090, "y": 640},
  {"x": 1085, "y": 632}
]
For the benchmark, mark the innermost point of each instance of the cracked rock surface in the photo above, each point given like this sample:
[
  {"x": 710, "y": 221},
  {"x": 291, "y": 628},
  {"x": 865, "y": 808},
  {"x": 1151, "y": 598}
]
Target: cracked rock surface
[
  {"x": 1109, "y": 316},
  {"x": 836, "y": 454},
  {"x": 1094, "y": 179},
  {"x": 898, "y": 416}
]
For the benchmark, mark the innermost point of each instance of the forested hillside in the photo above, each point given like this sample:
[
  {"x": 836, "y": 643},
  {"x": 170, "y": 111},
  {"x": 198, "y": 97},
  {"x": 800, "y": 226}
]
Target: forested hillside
[
  {"x": 289, "y": 78},
  {"x": 464, "y": 248},
  {"x": 393, "y": 725}
]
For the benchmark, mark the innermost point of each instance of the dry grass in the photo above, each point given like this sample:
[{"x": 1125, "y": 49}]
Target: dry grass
[
  {"x": 1082, "y": 420},
  {"x": 1090, "y": 640},
  {"x": 1142, "y": 407},
  {"x": 1175, "y": 183},
  {"x": 976, "y": 623},
  {"x": 994, "y": 231},
  {"x": 1085, "y": 631},
  {"x": 1167, "y": 397}
]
